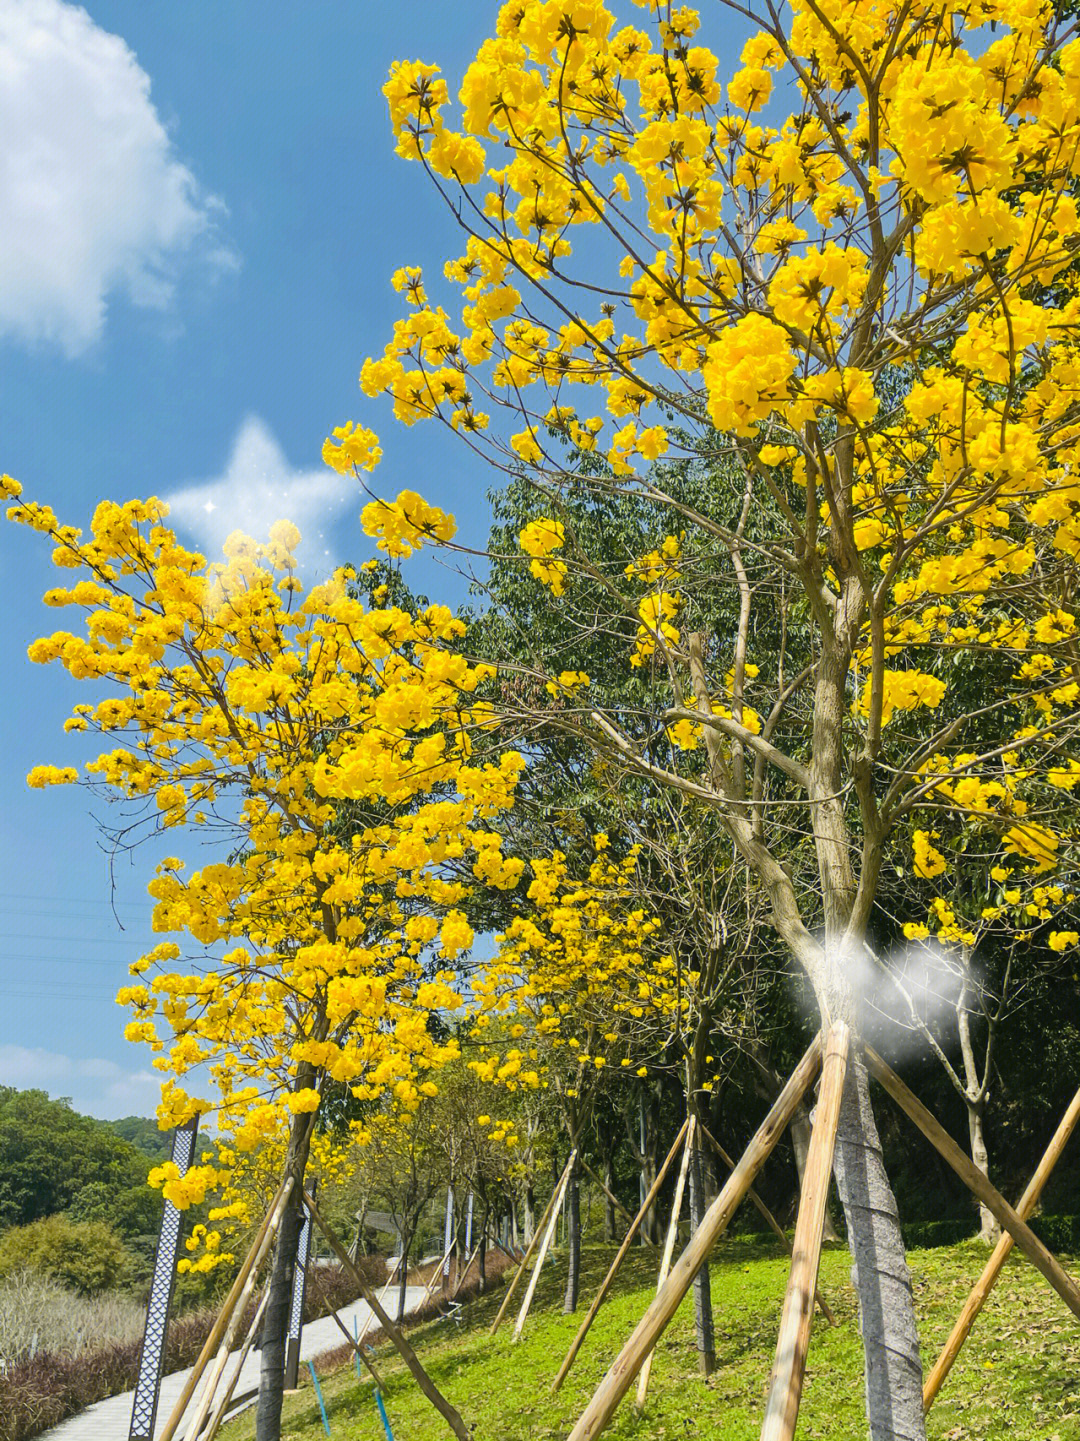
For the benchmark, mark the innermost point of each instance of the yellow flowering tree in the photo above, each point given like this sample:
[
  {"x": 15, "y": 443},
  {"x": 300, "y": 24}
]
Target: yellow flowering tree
[
  {"x": 584, "y": 995},
  {"x": 330, "y": 744},
  {"x": 849, "y": 270}
]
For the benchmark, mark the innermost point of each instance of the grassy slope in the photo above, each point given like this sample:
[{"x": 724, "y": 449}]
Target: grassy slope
[{"x": 1017, "y": 1377}]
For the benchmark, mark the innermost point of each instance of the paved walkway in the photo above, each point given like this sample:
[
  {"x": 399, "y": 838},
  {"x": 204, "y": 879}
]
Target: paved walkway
[{"x": 108, "y": 1420}]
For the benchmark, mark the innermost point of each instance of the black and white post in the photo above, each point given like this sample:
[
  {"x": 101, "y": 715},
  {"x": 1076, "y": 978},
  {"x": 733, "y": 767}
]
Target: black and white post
[
  {"x": 148, "y": 1382},
  {"x": 296, "y": 1310}
]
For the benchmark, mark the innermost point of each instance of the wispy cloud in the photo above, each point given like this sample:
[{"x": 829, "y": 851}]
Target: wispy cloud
[
  {"x": 93, "y": 197},
  {"x": 258, "y": 487},
  {"x": 97, "y": 1087}
]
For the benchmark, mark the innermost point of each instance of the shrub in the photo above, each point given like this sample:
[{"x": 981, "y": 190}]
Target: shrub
[
  {"x": 88, "y": 1256},
  {"x": 1058, "y": 1233},
  {"x": 919, "y": 1234},
  {"x": 40, "y": 1387}
]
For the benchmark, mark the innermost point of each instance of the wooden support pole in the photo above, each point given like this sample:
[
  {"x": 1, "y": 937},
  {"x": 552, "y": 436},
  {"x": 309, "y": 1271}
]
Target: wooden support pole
[
  {"x": 669, "y": 1250},
  {"x": 213, "y": 1341},
  {"x": 541, "y": 1255},
  {"x": 525, "y": 1259},
  {"x": 386, "y": 1287},
  {"x": 228, "y": 1340},
  {"x": 985, "y": 1284},
  {"x": 605, "y": 1284},
  {"x": 230, "y": 1386},
  {"x": 469, "y": 1259},
  {"x": 406, "y": 1352},
  {"x": 611, "y": 1196},
  {"x": 652, "y": 1325},
  {"x": 436, "y": 1276},
  {"x": 976, "y": 1182},
  {"x": 358, "y": 1346},
  {"x": 770, "y": 1220},
  {"x": 796, "y": 1319}
]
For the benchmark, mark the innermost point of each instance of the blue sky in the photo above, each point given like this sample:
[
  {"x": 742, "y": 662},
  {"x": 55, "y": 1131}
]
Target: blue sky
[{"x": 202, "y": 211}]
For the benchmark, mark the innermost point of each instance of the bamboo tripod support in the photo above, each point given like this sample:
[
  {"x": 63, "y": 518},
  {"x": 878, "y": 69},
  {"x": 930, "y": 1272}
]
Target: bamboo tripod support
[
  {"x": 768, "y": 1217},
  {"x": 559, "y": 1197},
  {"x": 973, "y": 1178},
  {"x": 392, "y": 1333},
  {"x": 386, "y": 1287},
  {"x": 214, "y": 1424},
  {"x": 357, "y": 1344},
  {"x": 652, "y": 1325},
  {"x": 985, "y": 1284},
  {"x": 605, "y": 1284},
  {"x": 611, "y": 1197},
  {"x": 669, "y": 1250},
  {"x": 796, "y": 1319},
  {"x": 228, "y": 1340},
  {"x": 212, "y": 1341},
  {"x": 525, "y": 1259}
]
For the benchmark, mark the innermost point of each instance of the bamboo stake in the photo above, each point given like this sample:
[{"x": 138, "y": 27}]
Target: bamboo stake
[
  {"x": 770, "y": 1220},
  {"x": 386, "y": 1287},
  {"x": 221, "y": 1360},
  {"x": 975, "y": 1181},
  {"x": 230, "y": 1386},
  {"x": 669, "y": 1250},
  {"x": 797, "y": 1317},
  {"x": 985, "y": 1284},
  {"x": 436, "y": 1275},
  {"x": 408, "y": 1355},
  {"x": 212, "y": 1341},
  {"x": 541, "y": 1255},
  {"x": 655, "y": 1320},
  {"x": 525, "y": 1259},
  {"x": 605, "y": 1284},
  {"x": 358, "y": 1346},
  {"x": 610, "y": 1195},
  {"x": 469, "y": 1259}
]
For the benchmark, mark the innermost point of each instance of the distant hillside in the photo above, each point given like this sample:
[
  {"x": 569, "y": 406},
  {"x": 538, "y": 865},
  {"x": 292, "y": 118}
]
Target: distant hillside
[
  {"x": 143, "y": 1133},
  {"x": 53, "y": 1159}
]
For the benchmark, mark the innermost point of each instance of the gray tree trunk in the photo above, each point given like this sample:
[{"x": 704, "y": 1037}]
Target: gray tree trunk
[
  {"x": 573, "y": 1237},
  {"x": 893, "y": 1368},
  {"x": 703, "y": 1315},
  {"x": 275, "y": 1323},
  {"x": 989, "y": 1229},
  {"x": 610, "y": 1219},
  {"x": 403, "y": 1278}
]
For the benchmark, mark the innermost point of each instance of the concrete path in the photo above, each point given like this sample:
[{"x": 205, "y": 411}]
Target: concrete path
[{"x": 108, "y": 1420}]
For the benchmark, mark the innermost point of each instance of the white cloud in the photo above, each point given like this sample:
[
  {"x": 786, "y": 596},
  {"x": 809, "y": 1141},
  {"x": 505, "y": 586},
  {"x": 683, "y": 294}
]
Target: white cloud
[
  {"x": 97, "y": 1087},
  {"x": 259, "y": 486},
  {"x": 93, "y": 198}
]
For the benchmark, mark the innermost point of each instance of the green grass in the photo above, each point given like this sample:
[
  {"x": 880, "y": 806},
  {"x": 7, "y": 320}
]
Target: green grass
[{"x": 1018, "y": 1376}]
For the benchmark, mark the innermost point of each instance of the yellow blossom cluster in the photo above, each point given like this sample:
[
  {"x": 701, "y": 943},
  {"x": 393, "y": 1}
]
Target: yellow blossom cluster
[{"x": 335, "y": 741}]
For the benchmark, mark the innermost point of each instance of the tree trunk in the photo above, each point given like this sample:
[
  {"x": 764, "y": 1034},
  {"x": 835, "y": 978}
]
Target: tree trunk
[
  {"x": 800, "y": 1144},
  {"x": 573, "y": 1237},
  {"x": 703, "y": 1316},
  {"x": 403, "y": 1278},
  {"x": 359, "y": 1248},
  {"x": 989, "y": 1226},
  {"x": 481, "y": 1250},
  {"x": 276, "y": 1316},
  {"x": 530, "y": 1214},
  {"x": 610, "y": 1221},
  {"x": 893, "y": 1369}
]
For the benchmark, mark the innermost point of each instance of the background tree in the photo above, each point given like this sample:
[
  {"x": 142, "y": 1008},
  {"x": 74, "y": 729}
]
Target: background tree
[
  {"x": 852, "y": 303},
  {"x": 251, "y": 708}
]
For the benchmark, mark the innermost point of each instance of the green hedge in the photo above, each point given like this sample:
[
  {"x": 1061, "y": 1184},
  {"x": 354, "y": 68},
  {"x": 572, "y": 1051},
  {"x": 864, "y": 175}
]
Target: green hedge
[
  {"x": 927, "y": 1234},
  {"x": 1059, "y": 1233}
]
